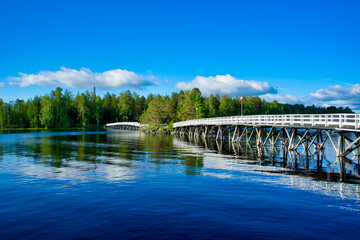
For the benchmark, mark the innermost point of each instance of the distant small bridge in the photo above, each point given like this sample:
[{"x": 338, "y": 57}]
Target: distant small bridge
[{"x": 134, "y": 126}]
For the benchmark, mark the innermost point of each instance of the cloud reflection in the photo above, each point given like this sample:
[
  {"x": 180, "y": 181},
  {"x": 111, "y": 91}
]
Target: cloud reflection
[{"x": 233, "y": 167}]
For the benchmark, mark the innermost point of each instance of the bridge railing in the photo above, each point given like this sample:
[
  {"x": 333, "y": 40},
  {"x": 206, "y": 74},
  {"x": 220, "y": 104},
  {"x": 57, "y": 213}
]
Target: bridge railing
[{"x": 351, "y": 121}]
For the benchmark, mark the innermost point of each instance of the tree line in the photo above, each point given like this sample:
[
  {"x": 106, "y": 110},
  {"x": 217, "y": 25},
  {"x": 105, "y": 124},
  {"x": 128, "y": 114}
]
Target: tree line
[{"x": 63, "y": 109}]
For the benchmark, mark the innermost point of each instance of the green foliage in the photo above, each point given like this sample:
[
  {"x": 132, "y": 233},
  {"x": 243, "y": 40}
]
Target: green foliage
[
  {"x": 84, "y": 112},
  {"x": 108, "y": 109},
  {"x": 170, "y": 126},
  {"x": 227, "y": 106},
  {"x": 212, "y": 105},
  {"x": 47, "y": 114},
  {"x": 60, "y": 109},
  {"x": 191, "y": 105},
  {"x": 159, "y": 111},
  {"x": 33, "y": 112},
  {"x": 139, "y": 107},
  {"x": 126, "y": 106},
  {"x": 2, "y": 114},
  {"x": 153, "y": 127}
]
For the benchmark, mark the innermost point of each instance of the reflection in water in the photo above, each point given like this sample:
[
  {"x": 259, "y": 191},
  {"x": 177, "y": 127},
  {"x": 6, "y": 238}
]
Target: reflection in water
[
  {"x": 296, "y": 171},
  {"x": 317, "y": 164},
  {"x": 129, "y": 185},
  {"x": 121, "y": 156},
  {"x": 84, "y": 156},
  {"x": 66, "y": 156}
]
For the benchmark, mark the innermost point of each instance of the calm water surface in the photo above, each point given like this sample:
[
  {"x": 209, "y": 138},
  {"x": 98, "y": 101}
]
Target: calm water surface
[{"x": 127, "y": 185}]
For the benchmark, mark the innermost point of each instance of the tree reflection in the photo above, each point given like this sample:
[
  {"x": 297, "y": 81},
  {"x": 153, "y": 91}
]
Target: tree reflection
[{"x": 85, "y": 151}]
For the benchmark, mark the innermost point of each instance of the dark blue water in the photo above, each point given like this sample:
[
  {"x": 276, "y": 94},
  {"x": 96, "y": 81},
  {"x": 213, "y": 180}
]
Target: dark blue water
[{"x": 127, "y": 185}]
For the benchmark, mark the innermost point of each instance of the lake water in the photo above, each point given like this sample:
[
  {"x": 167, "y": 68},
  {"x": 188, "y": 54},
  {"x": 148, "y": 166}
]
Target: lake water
[{"x": 128, "y": 185}]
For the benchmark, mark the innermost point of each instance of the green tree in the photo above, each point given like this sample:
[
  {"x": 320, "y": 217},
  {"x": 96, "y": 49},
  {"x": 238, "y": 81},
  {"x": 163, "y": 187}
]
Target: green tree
[
  {"x": 20, "y": 114},
  {"x": 191, "y": 105},
  {"x": 227, "y": 106},
  {"x": 212, "y": 105},
  {"x": 93, "y": 112},
  {"x": 47, "y": 115},
  {"x": 97, "y": 114},
  {"x": 275, "y": 108},
  {"x": 34, "y": 112},
  {"x": 175, "y": 97},
  {"x": 2, "y": 113},
  {"x": 255, "y": 105},
  {"x": 83, "y": 101},
  {"x": 58, "y": 108},
  {"x": 126, "y": 106},
  {"x": 159, "y": 111},
  {"x": 109, "y": 105},
  {"x": 70, "y": 113},
  {"x": 139, "y": 107}
]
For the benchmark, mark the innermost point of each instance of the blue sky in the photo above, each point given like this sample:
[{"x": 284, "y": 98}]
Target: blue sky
[{"x": 293, "y": 51}]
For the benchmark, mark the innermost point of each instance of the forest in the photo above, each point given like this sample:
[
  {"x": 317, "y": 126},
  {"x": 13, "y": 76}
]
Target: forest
[{"x": 63, "y": 109}]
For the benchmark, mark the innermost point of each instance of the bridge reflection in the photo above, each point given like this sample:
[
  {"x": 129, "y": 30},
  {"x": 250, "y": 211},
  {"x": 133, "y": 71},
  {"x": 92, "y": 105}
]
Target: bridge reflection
[{"x": 319, "y": 172}]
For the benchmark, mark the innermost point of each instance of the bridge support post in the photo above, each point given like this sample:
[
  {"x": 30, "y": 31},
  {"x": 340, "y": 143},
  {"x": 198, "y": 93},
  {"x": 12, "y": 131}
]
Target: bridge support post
[
  {"x": 205, "y": 132},
  {"x": 219, "y": 132},
  {"x": 260, "y": 141},
  {"x": 244, "y": 131},
  {"x": 318, "y": 140},
  {"x": 235, "y": 131}
]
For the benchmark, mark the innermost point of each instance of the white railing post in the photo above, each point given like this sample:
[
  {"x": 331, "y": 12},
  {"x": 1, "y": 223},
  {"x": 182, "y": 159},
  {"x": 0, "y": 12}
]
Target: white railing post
[
  {"x": 312, "y": 117},
  {"x": 340, "y": 121},
  {"x": 326, "y": 120}
]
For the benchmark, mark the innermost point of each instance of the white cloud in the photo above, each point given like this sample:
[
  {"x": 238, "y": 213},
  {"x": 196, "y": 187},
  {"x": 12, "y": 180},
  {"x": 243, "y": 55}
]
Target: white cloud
[
  {"x": 287, "y": 98},
  {"x": 84, "y": 78},
  {"x": 227, "y": 84},
  {"x": 338, "y": 96},
  {"x": 332, "y": 96},
  {"x": 2, "y": 84},
  {"x": 337, "y": 93}
]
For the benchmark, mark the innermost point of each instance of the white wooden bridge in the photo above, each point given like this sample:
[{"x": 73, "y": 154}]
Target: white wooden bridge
[
  {"x": 124, "y": 125},
  {"x": 294, "y": 131},
  {"x": 290, "y": 131},
  {"x": 293, "y": 134}
]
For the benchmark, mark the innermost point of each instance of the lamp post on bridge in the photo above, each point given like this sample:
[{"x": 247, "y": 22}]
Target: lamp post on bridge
[{"x": 241, "y": 99}]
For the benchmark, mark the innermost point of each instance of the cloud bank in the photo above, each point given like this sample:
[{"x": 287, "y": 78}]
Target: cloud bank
[
  {"x": 331, "y": 96},
  {"x": 338, "y": 96},
  {"x": 84, "y": 78},
  {"x": 337, "y": 92},
  {"x": 227, "y": 84}
]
